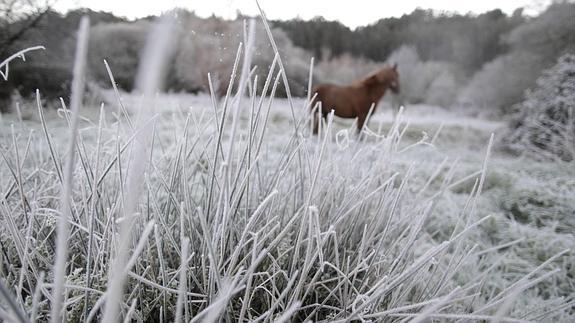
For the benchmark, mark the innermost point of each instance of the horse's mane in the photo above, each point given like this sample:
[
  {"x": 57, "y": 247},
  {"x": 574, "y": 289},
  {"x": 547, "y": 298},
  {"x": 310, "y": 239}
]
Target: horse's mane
[{"x": 366, "y": 79}]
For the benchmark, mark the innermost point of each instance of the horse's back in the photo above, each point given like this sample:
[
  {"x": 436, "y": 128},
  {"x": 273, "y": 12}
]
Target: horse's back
[
  {"x": 323, "y": 89},
  {"x": 337, "y": 97}
]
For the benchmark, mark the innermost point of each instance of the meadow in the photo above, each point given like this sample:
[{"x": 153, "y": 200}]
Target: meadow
[{"x": 176, "y": 207}]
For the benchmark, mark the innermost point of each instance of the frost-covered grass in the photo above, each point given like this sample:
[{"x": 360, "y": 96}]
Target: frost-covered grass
[
  {"x": 369, "y": 230},
  {"x": 268, "y": 223}
]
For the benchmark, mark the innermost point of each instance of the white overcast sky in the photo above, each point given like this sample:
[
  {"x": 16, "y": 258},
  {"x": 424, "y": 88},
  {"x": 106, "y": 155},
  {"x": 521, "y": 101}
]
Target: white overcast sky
[{"x": 353, "y": 13}]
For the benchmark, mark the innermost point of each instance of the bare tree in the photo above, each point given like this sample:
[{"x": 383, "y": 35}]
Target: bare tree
[{"x": 17, "y": 17}]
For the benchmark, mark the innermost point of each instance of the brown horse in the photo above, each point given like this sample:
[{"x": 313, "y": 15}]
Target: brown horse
[{"x": 355, "y": 100}]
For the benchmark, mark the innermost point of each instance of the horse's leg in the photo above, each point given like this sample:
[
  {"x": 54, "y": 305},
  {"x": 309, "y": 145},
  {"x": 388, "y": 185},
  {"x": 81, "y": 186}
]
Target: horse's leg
[
  {"x": 324, "y": 118},
  {"x": 361, "y": 118},
  {"x": 316, "y": 117}
]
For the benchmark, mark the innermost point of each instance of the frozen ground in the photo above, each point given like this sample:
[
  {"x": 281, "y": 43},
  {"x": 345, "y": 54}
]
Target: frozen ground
[{"x": 531, "y": 205}]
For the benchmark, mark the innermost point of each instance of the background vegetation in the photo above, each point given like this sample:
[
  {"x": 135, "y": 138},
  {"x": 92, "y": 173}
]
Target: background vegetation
[{"x": 483, "y": 61}]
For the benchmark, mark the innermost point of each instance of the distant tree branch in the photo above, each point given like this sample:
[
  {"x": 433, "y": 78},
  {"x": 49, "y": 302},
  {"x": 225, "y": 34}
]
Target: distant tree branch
[
  {"x": 10, "y": 16},
  {"x": 5, "y": 63}
]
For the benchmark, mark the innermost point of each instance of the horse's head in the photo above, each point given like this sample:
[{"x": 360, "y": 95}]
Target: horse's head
[
  {"x": 387, "y": 77},
  {"x": 393, "y": 77}
]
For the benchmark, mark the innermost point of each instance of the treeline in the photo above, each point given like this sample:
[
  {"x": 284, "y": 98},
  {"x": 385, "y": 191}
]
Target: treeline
[
  {"x": 485, "y": 60},
  {"x": 467, "y": 40},
  {"x": 51, "y": 29},
  {"x": 204, "y": 45}
]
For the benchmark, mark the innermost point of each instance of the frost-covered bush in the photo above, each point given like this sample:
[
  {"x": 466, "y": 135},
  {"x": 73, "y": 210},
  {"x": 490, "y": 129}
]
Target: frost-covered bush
[
  {"x": 210, "y": 45},
  {"x": 120, "y": 45},
  {"x": 206, "y": 48},
  {"x": 19, "y": 78},
  {"x": 429, "y": 74},
  {"x": 408, "y": 63},
  {"x": 442, "y": 90},
  {"x": 549, "y": 35},
  {"x": 544, "y": 123},
  {"x": 296, "y": 61},
  {"x": 53, "y": 82},
  {"x": 344, "y": 69},
  {"x": 533, "y": 46},
  {"x": 500, "y": 83},
  {"x": 431, "y": 82}
]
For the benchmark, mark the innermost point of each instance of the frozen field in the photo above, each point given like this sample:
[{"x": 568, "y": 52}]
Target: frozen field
[{"x": 417, "y": 220}]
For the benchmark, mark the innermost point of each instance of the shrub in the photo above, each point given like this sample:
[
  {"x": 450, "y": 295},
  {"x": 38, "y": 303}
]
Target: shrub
[
  {"x": 120, "y": 44},
  {"x": 534, "y": 45},
  {"x": 205, "y": 48},
  {"x": 211, "y": 47},
  {"x": 53, "y": 82},
  {"x": 344, "y": 69},
  {"x": 544, "y": 123},
  {"x": 430, "y": 82},
  {"x": 500, "y": 83},
  {"x": 296, "y": 62},
  {"x": 408, "y": 62},
  {"x": 548, "y": 36},
  {"x": 442, "y": 90}
]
